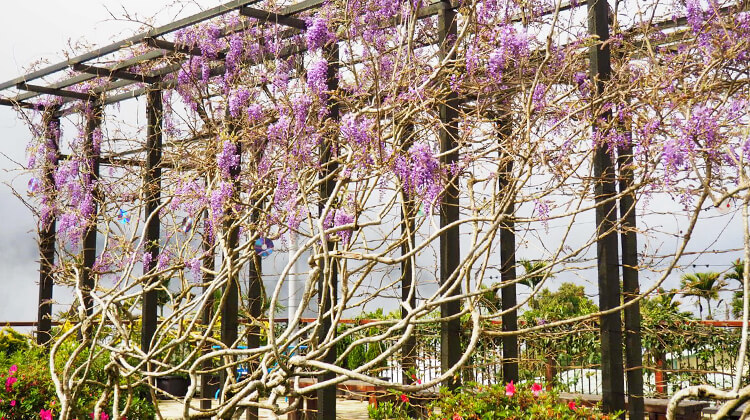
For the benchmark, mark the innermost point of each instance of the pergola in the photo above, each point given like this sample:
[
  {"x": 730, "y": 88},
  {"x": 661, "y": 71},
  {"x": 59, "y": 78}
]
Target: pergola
[{"x": 124, "y": 83}]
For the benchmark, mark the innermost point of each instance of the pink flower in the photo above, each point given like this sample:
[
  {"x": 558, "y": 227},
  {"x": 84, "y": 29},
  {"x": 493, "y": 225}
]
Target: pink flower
[
  {"x": 13, "y": 369},
  {"x": 457, "y": 417},
  {"x": 9, "y": 383},
  {"x": 572, "y": 405},
  {"x": 510, "y": 389},
  {"x": 536, "y": 389},
  {"x": 404, "y": 398},
  {"x": 13, "y": 403},
  {"x": 45, "y": 415}
]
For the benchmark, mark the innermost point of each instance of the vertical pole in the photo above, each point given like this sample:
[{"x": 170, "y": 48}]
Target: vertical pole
[
  {"x": 229, "y": 311},
  {"x": 91, "y": 154},
  {"x": 328, "y": 279},
  {"x": 152, "y": 197},
  {"x": 508, "y": 263},
  {"x": 291, "y": 286},
  {"x": 255, "y": 306},
  {"x": 630, "y": 283},
  {"x": 450, "y": 252},
  {"x": 230, "y": 308},
  {"x": 613, "y": 391},
  {"x": 408, "y": 350},
  {"x": 47, "y": 229},
  {"x": 660, "y": 374},
  {"x": 209, "y": 261}
]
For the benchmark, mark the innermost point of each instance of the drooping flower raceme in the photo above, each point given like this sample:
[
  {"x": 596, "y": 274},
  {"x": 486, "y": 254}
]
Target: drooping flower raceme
[
  {"x": 316, "y": 77},
  {"x": 228, "y": 159},
  {"x": 318, "y": 34},
  {"x": 420, "y": 174}
]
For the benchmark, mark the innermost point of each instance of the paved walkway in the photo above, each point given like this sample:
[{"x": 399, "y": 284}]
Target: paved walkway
[{"x": 345, "y": 409}]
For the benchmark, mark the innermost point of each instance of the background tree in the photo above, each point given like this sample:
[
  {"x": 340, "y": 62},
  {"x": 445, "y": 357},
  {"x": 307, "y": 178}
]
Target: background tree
[
  {"x": 737, "y": 273},
  {"x": 706, "y": 285}
]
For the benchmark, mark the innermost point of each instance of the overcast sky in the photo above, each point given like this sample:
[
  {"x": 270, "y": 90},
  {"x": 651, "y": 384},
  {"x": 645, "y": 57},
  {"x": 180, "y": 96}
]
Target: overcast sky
[{"x": 42, "y": 29}]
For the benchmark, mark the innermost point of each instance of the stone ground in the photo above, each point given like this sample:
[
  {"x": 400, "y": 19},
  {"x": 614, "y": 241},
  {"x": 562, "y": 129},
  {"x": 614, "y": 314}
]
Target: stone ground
[{"x": 345, "y": 409}]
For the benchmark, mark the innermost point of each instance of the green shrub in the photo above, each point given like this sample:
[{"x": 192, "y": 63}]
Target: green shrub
[
  {"x": 12, "y": 341},
  {"x": 388, "y": 410},
  {"x": 513, "y": 402},
  {"x": 26, "y": 386}
]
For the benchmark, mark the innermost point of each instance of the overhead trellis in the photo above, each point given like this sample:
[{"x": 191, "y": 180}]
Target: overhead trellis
[{"x": 302, "y": 111}]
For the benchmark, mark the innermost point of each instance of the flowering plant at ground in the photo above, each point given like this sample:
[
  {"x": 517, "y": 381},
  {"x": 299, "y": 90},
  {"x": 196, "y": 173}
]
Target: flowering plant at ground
[
  {"x": 522, "y": 401},
  {"x": 28, "y": 393}
]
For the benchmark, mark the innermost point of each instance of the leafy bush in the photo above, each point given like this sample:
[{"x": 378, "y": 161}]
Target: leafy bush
[
  {"x": 12, "y": 341},
  {"x": 27, "y": 387},
  {"x": 513, "y": 402},
  {"x": 388, "y": 410},
  {"x": 565, "y": 345},
  {"x": 363, "y": 353}
]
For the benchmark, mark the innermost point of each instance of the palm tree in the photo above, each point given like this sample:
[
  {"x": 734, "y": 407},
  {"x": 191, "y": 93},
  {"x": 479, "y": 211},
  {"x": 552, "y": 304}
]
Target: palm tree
[
  {"x": 702, "y": 286},
  {"x": 665, "y": 299},
  {"x": 535, "y": 272},
  {"x": 737, "y": 272}
]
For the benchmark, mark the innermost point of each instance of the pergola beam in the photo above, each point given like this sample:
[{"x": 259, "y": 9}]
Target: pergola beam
[
  {"x": 55, "y": 92},
  {"x": 10, "y": 102},
  {"x": 283, "y": 14},
  {"x": 136, "y": 39},
  {"x": 178, "y": 48},
  {"x": 86, "y": 77},
  {"x": 118, "y": 74},
  {"x": 272, "y": 17}
]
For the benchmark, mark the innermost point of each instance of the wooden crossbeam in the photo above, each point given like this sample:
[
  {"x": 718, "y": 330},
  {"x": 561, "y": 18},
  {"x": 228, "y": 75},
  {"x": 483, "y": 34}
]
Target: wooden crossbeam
[
  {"x": 8, "y": 102},
  {"x": 272, "y": 17},
  {"x": 113, "y": 73},
  {"x": 55, "y": 92},
  {"x": 171, "y": 46}
]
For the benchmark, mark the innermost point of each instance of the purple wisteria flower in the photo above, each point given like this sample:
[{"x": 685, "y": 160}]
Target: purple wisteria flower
[
  {"x": 541, "y": 208},
  {"x": 164, "y": 259},
  {"x": 421, "y": 174},
  {"x": 189, "y": 196},
  {"x": 703, "y": 127},
  {"x": 70, "y": 226},
  {"x": 340, "y": 219},
  {"x": 317, "y": 34},
  {"x": 219, "y": 198},
  {"x": 512, "y": 46},
  {"x": 236, "y": 52},
  {"x": 238, "y": 100},
  {"x": 228, "y": 159},
  {"x": 356, "y": 131},
  {"x": 194, "y": 265},
  {"x": 254, "y": 113},
  {"x": 316, "y": 77},
  {"x": 146, "y": 260}
]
